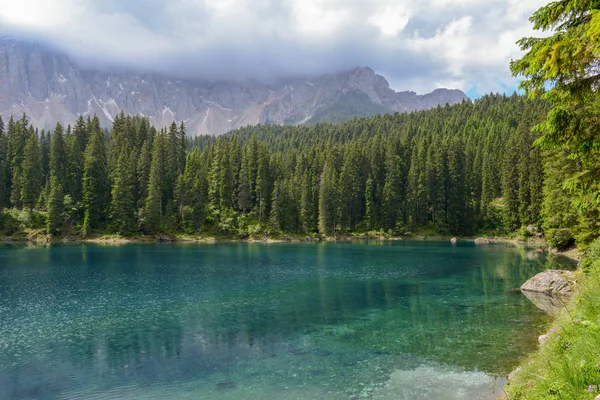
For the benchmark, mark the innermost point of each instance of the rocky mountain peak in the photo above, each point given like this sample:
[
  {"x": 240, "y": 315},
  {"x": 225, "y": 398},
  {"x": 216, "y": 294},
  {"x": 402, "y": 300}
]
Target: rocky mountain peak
[{"x": 50, "y": 88}]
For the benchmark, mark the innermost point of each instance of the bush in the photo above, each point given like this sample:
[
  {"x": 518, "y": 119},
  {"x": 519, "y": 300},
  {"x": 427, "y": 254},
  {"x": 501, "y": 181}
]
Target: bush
[
  {"x": 592, "y": 259},
  {"x": 524, "y": 233},
  {"x": 560, "y": 239},
  {"x": 8, "y": 223}
]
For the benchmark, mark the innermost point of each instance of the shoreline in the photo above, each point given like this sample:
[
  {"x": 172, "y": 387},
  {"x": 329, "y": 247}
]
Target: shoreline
[{"x": 533, "y": 242}]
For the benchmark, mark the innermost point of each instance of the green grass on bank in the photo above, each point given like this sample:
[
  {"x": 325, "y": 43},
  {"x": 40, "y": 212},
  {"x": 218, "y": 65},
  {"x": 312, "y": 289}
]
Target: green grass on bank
[{"x": 568, "y": 365}]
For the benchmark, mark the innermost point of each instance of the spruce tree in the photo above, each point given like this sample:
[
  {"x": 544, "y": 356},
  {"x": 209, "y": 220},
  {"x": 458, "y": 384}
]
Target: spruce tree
[
  {"x": 96, "y": 189},
  {"x": 55, "y": 220},
  {"x": 153, "y": 207},
  {"x": 276, "y": 217},
  {"x": 31, "y": 171},
  {"x": 328, "y": 201},
  {"x": 122, "y": 206},
  {"x": 58, "y": 155}
]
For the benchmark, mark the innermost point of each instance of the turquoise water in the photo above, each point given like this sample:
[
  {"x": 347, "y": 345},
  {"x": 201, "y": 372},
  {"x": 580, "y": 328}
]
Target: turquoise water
[{"x": 384, "y": 320}]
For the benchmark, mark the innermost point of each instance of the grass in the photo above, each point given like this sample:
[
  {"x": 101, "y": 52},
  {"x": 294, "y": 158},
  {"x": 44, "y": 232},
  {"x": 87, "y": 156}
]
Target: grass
[{"x": 568, "y": 365}]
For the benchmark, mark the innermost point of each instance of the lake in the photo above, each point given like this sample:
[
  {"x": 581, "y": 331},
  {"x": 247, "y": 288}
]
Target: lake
[{"x": 379, "y": 320}]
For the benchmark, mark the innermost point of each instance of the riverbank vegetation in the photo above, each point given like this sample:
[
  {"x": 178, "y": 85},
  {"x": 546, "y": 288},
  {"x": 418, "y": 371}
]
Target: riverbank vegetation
[
  {"x": 567, "y": 365},
  {"x": 563, "y": 68}
]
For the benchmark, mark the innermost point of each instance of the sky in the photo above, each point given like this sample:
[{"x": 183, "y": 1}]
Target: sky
[{"x": 417, "y": 45}]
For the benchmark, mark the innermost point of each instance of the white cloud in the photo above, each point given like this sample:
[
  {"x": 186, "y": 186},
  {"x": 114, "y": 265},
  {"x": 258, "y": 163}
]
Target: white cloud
[
  {"x": 416, "y": 44},
  {"x": 391, "y": 19}
]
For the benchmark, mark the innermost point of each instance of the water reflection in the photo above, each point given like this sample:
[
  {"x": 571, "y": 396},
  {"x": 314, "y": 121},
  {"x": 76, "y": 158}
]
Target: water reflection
[{"x": 84, "y": 319}]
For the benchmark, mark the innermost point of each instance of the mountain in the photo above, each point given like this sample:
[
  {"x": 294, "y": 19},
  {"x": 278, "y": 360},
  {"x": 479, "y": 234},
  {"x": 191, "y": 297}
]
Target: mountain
[{"x": 50, "y": 87}]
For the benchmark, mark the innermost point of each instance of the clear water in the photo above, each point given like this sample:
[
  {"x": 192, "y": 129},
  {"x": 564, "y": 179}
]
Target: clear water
[{"x": 385, "y": 320}]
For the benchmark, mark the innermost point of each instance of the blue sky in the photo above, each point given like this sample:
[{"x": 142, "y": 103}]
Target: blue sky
[{"x": 416, "y": 44}]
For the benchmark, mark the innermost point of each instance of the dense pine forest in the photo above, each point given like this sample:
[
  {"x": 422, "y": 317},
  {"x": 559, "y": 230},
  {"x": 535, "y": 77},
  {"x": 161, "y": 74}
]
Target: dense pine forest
[{"x": 457, "y": 170}]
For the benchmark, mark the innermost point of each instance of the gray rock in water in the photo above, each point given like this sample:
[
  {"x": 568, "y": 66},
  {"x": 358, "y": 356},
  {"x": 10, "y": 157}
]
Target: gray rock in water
[
  {"x": 482, "y": 240},
  {"x": 551, "y": 282},
  {"x": 512, "y": 375},
  {"x": 550, "y": 290}
]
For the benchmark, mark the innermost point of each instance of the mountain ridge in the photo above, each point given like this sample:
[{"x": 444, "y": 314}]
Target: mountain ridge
[{"x": 49, "y": 87}]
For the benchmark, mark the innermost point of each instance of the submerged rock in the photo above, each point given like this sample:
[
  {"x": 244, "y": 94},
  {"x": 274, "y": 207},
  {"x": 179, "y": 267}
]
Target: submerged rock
[
  {"x": 543, "y": 339},
  {"x": 547, "y": 303}
]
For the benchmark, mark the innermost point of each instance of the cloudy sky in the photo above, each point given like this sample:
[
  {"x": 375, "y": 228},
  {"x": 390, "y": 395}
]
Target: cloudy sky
[{"x": 416, "y": 44}]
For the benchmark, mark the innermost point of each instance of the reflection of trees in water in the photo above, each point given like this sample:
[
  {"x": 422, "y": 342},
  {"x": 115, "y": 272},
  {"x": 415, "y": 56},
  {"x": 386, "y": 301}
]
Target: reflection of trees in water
[{"x": 476, "y": 321}]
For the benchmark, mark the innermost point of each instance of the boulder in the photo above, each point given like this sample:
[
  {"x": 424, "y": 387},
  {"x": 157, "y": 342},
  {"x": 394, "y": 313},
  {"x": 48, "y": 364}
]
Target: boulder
[
  {"x": 482, "y": 240},
  {"x": 551, "y": 282},
  {"x": 165, "y": 238},
  {"x": 513, "y": 374},
  {"x": 550, "y": 290}
]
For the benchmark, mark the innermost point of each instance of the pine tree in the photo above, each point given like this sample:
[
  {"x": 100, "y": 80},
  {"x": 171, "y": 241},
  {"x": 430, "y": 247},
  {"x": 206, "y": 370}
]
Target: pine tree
[
  {"x": 55, "y": 220},
  {"x": 31, "y": 171},
  {"x": 510, "y": 186},
  {"x": 328, "y": 201},
  {"x": 153, "y": 208},
  {"x": 122, "y": 207},
  {"x": 76, "y": 158},
  {"x": 351, "y": 189},
  {"x": 369, "y": 203},
  {"x": 143, "y": 171},
  {"x": 3, "y": 171},
  {"x": 244, "y": 196},
  {"x": 58, "y": 155},
  {"x": 458, "y": 215},
  {"x": 96, "y": 189},
  {"x": 276, "y": 217},
  {"x": 17, "y": 134},
  {"x": 393, "y": 189}
]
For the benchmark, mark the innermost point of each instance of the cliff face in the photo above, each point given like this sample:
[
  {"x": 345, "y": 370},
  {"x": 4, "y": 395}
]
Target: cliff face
[{"x": 51, "y": 88}]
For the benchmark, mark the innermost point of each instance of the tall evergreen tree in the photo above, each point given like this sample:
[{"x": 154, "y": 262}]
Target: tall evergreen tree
[
  {"x": 328, "y": 201},
  {"x": 153, "y": 207},
  {"x": 55, "y": 220},
  {"x": 122, "y": 206},
  {"x": 58, "y": 155},
  {"x": 31, "y": 171},
  {"x": 96, "y": 188}
]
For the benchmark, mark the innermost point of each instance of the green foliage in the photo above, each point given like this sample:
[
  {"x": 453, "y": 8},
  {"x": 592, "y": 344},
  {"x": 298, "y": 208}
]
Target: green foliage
[
  {"x": 563, "y": 68},
  {"x": 30, "y": 172},
  {"x": 455, "y": 169},
  {"x": 524, "y": 233},
  {"x": 560, "y": 238},
  {"x": 96, "y": 187},
  {"x": 56, "y": 206},
  {"x": 153, "y": 209},
  {"x": 566, "y": 367}
]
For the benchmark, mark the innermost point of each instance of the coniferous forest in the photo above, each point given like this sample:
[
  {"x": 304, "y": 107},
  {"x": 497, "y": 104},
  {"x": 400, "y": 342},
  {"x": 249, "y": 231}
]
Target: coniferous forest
[{"x": 458, "y": 170}]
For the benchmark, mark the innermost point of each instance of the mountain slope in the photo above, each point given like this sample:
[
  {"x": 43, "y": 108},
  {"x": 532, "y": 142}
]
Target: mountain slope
[{"x": 51, "y": 88}]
